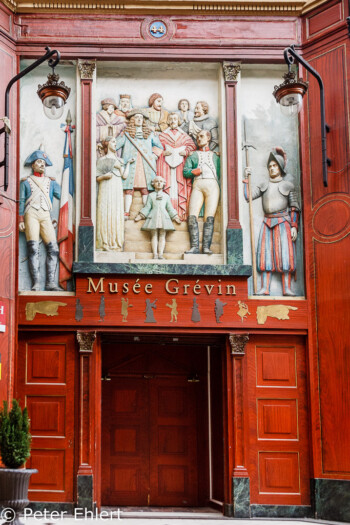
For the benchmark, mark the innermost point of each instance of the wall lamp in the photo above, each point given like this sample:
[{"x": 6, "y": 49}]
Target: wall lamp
[
  {"x": 290, "y": 95},
  {"x": 52, "y": 94}
]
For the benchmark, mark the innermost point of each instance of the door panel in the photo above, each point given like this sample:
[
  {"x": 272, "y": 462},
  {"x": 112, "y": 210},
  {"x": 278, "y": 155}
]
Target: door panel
[
  {"x": 150, "y": 421},
  {"x": 125, "y": 442},
  {"x": 46, "y": 368},
  {"x": 279, "y": 453},
  {"x": 173, "y": 453}
]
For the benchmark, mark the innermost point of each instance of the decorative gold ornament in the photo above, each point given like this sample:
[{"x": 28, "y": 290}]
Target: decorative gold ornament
[
  {"x": 49, "y": 308},
  {"x": 86, "y": 69},
  {"x": 243, "y": 310},
  {"x": 86, "y": 341},
  {"x": 231, "y": 71},
  {"x": 238, "y": 343},
  {"x": 278, "y": 311}
]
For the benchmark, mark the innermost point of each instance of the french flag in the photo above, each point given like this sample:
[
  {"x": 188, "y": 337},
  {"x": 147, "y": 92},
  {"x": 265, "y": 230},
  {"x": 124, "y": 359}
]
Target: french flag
[{"x": 65, "y": 229}]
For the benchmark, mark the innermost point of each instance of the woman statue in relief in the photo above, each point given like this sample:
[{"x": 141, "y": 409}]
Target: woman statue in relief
[
  {"x": 108, "y": 124},
  {"x": 110, "y": 170}
]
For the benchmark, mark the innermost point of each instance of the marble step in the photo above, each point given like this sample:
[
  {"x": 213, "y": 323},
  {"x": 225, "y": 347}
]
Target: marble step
[{"x": 170, "y": 247}]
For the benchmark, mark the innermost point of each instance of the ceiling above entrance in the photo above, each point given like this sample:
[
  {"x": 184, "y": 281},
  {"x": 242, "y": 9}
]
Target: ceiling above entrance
[{"x": 222, "y": 7}]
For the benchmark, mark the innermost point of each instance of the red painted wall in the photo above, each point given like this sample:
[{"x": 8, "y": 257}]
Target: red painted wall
[
  {"x": 327, "y": 216},
  {"x": 8, "y": 223}
]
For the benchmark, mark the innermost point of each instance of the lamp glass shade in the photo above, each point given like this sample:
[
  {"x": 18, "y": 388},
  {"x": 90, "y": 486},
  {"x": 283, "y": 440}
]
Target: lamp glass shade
[
  {"x": 53, "y": 106},
  {"x": 291, "y": 104}
]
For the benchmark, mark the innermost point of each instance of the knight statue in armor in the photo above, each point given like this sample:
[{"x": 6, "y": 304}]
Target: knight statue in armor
[
  {"x": 279, "y": 230},
  {"x": 35, "y": 204}
]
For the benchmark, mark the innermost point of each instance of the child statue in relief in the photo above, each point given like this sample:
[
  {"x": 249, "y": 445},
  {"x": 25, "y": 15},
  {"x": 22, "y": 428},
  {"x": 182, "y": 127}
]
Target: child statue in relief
[
  {"x": 110, "y": 170},
  {"x": 140, "y": 143},
  {"x": 108, "y": 124},
  {"x": 203, "y": 167},
  {"x": 158, "y": 213},
  {"x": 178, "y": 146},
  {"x": 156, "y": 114},
  {"x": 279, "y": 230},
  {"x": 184, "y": 112},
  {"x": 202, "y": 120},
  {"x": 124, "y": 106}
]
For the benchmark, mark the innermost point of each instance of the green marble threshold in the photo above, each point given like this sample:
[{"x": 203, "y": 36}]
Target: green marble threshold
[{"x": 87, "y": 267}]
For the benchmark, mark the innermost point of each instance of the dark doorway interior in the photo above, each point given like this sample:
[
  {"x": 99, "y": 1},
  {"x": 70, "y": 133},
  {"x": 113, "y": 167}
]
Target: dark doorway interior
[{"x": 157, "y": 400}]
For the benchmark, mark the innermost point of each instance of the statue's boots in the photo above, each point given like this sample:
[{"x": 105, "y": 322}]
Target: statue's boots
[
  {"x": 208, "y": 230},
  {"x": 194, "y": 234},
  {"x": 51, "y": 265},
  {"x": 33, "y": 262},
  {"x": 286, "y": 284},
  {"x": 265, "y": 290}
]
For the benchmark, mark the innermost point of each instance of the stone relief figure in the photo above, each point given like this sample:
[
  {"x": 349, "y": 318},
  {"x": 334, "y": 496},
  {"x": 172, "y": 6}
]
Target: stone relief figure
[
  {"x": 110, "y": 170},
  {"x": 202, "y": 120},
  {"x": 35, "y": 204},
  {"x": 108, "y": 124},
  {"x": 140, "y": 143},
  {"x": 184, "y": 112},
  {"x": 178, "y": 146},
  {"x": 279, "y": 230},
  {"x": 203, "y": 167},
  {"x": 124, "y": 106},
  {"x": 157, "y": 116},
  {"x": 158, "y": 213}
]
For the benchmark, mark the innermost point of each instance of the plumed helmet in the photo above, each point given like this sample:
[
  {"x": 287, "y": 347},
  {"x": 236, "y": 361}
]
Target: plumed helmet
[
  {"x": 278, "y": 155},
  {"x": 37, "y": 154}
]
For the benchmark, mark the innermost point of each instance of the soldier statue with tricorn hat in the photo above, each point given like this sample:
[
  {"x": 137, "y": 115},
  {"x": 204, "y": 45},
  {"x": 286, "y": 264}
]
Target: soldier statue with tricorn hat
[
  {"x": 278, "y": 233},
  {"x": 35, "y": 204}
]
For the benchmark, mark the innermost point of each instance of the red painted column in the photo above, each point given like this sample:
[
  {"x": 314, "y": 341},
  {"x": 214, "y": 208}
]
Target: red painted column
[
  {"x": 234, "y": 231},
  {"x": 240, "y": 481},
  {"x": 86, "y": 228},
  {"x": 86, "y": 341}
]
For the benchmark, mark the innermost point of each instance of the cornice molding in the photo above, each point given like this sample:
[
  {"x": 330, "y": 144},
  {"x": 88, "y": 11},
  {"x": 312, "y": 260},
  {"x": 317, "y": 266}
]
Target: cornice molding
[{"x": 238, "y": 7}]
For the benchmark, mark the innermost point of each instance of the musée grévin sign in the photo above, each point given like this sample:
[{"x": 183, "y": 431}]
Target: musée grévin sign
[{"x": 184, "y": 300}]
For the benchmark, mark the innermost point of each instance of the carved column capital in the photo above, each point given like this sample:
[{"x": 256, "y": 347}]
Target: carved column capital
[
  {"x": 231, "y": 71},
  {"x": 238, "y": 343},
  {"x": 86, "y": 68},
  {"x": 86, "y": 341}
]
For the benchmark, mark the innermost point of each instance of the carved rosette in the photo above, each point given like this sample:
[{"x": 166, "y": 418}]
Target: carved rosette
[
  {"x": 231, "y": 71},
  {"x": 238, "y": 343},
  {"x": 86, "y": 69},
  {"x": 86, "y": 341}
]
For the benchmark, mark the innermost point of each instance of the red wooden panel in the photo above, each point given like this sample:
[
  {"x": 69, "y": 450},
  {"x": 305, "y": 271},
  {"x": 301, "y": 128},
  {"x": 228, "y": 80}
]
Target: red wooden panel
[
  {"x": 126, "y": 482},
  {"x": 275, "y": 366},
  {"x": 333, "y": 321},
  {"x": 331, "y": 67},
  {"x": 51, "y": 475},
  {"x": 325, "y": 19},
  {"x": 278, "y": 463},
  {"x": 172, "y": 402},
  {"x": 46, "y": 364},
  {"x": 47, "y": 415},
  {"x": 173, "y": 481},
  {"x": 5, "y": 18},
  {"x": 277, "y": 419},
  {"x": 279, "y": 473},
  {"x": 125, "y": 440},
  {"x": 172, "y": 439}
]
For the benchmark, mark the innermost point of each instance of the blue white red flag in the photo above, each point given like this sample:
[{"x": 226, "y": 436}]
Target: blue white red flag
[{"x": 66, "y": 230}]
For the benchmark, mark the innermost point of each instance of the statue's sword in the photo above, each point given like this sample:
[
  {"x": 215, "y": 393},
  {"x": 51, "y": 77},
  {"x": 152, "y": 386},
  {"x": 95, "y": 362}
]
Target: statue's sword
[{"x": 246, "y": 147}]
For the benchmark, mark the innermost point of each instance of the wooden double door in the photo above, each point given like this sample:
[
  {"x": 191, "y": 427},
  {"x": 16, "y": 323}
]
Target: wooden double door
[{"x": 153, "y": 433}]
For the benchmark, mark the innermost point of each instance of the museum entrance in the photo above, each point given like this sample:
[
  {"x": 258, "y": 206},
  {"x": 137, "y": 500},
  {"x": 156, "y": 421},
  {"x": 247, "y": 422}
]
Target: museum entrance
[{"x": 156, "y": 423}]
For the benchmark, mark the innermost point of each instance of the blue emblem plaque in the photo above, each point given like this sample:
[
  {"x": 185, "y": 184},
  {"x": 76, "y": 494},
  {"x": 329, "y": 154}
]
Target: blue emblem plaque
[{"x": 158, "y": 29}]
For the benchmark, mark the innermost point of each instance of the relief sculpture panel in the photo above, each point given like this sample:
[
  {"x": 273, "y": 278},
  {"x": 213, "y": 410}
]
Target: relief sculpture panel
[{"x": 158, "y": 165}]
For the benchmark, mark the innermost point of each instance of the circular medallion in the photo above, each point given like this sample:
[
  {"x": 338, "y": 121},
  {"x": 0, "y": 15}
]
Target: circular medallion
[
  {"x": 332, "y": 218},
  {"x": 158, "y": 29}
]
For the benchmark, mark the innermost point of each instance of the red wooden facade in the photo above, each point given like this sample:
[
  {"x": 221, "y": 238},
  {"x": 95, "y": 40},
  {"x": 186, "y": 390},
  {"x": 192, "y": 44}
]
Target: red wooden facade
[{"x": 270, "y": 413}]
